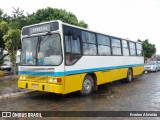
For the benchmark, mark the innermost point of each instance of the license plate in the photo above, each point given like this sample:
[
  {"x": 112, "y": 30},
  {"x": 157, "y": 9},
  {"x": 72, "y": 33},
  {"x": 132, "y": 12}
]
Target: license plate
[{"x": 34, "y": 85}]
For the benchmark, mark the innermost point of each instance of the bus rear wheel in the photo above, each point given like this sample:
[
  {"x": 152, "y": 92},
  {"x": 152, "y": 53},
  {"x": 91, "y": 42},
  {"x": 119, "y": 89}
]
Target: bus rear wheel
[
  {"x": 129, "y": 76},
  {"x": 87, "y": 86}
]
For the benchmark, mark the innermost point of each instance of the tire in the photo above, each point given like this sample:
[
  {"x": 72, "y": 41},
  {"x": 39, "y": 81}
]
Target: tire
[
  {"x": 87, "y": 85},
  {"x": 129, "y": 76}
]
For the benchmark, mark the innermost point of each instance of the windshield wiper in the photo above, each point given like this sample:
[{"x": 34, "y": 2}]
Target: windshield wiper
[{"x": 42, "y": 40}]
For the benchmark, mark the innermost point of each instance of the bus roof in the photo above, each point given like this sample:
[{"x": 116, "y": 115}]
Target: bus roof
[{"x": 86, "y": 29}]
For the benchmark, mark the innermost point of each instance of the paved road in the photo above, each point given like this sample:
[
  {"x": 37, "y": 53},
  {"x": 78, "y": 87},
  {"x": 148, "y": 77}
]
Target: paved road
[{"x": 142, "y": 94}]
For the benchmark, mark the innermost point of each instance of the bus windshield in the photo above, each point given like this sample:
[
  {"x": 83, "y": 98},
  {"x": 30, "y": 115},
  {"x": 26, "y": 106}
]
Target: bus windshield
[{"x": 41, "y": 50}]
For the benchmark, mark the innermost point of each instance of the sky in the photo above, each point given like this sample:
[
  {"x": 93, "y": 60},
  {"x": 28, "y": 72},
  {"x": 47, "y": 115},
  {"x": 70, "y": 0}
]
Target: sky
[{"x": 128, "y": 19}]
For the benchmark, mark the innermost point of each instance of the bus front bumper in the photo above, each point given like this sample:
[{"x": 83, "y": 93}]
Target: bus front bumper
[{"x": 46, "y": 87}]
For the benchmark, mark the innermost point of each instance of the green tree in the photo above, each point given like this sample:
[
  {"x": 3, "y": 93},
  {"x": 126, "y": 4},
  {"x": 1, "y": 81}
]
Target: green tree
[
  {"x": 148, "y": 48},
  {"x": 3, "y": 30},
  {"x": 17, "y": 12},
  {"x": 83, "y": 24},
  {"x": 1, "y": 13},
  {"x": 11, "y": 39},
  {"x": 4, "y": 27},
  {"x": 49, "y": 14},
  {"x": 18, "y": 20}
]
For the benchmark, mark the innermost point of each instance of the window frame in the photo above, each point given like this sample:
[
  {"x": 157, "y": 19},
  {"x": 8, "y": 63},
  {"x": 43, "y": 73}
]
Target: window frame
[
  {"x": 99, "y": 44},
  {"x": 132, "y": 48},
  {"x": 60, "y": 37},
  {"x": 67, "y": 28},
  {"x": 89, "y": 43},
  {"x": 116, "y": 46},
  {"x": 109, "y": 44},
  {"x": 125, "y": 47},
  {"x": 139, "y": 49}
]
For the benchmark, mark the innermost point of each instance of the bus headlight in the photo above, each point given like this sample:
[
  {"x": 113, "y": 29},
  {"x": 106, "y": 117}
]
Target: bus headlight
[
  {"x": 51, "y": 80},
  {"x": 22, "y": 77}
]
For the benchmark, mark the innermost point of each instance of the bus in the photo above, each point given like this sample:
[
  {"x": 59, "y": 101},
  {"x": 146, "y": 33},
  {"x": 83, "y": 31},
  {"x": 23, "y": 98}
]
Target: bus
[{"x": 61, "y": 58}]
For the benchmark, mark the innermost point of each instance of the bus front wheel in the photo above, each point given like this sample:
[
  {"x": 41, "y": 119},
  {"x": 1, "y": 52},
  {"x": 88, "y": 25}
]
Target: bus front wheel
[
  {"x": 87, "y": 86},
  {"x": 129, "y": 76}
]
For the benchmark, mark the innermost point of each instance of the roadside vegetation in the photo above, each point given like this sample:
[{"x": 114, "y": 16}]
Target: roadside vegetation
[{"x": 149, "y": 49}]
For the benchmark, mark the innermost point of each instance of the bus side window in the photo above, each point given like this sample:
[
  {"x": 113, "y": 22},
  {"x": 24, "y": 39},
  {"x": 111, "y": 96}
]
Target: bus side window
[
  {"x": 139, "y": 49},
  {"x": 89, "y": 43},
  {"x": 71, "y": 59},
  {"x": 68, "y": 59},
  {"x": 132, "y": 48},
  {"x": 73, "y": 49}
]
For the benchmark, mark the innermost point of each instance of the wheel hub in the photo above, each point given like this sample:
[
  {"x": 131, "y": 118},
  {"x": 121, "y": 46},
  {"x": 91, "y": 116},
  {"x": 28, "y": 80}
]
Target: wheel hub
[{"x": 87, "y": 85}]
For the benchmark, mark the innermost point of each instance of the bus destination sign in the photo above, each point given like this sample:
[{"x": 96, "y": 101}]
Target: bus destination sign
[
  {"x": 39, "y": 29},
  {"x": 34, "y": 29}
]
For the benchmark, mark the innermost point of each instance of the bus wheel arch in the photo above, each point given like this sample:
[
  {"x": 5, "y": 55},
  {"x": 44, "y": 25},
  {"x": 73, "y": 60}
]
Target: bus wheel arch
[{"x": 88, "y": 84}]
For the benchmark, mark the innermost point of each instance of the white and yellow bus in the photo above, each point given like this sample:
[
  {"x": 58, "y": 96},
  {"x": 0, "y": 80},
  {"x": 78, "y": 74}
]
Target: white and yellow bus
[{"x": 61, "y": 58}]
